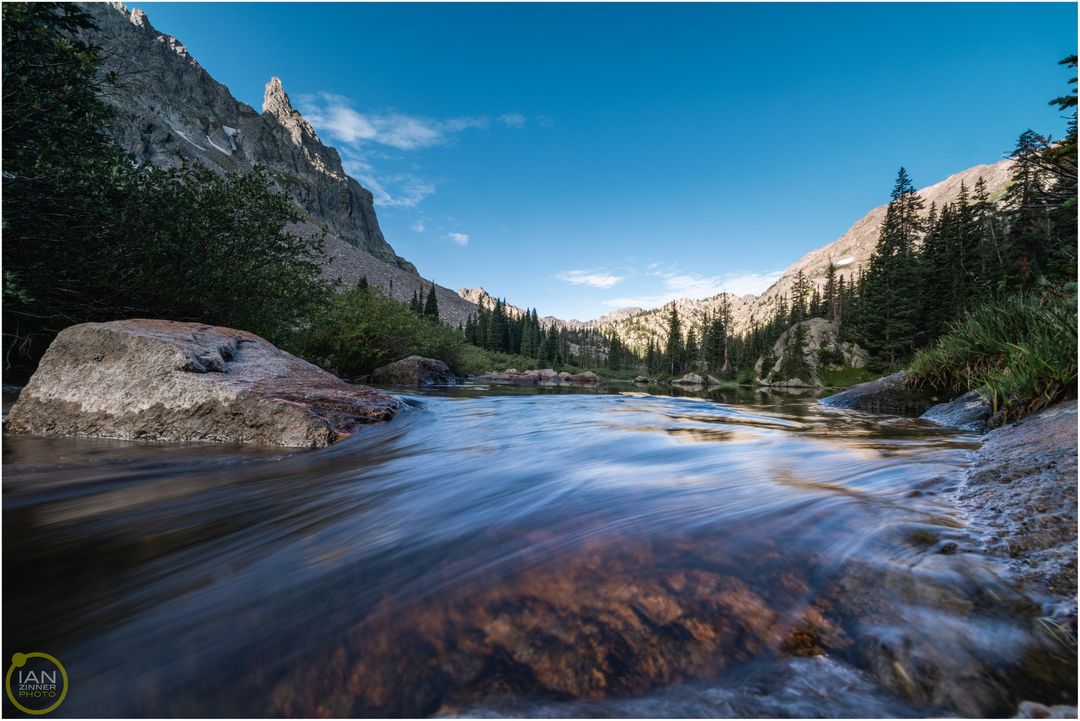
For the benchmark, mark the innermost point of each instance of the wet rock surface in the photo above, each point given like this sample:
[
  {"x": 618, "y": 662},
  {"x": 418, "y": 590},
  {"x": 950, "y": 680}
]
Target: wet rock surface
[
  {"x": 969, "y": 412},
  {"x": 885, "y": 395},
  {"x": 169, "y": 381},
  {"x": 1021, "y": 495},
  {"x": 414, "y": 371}
]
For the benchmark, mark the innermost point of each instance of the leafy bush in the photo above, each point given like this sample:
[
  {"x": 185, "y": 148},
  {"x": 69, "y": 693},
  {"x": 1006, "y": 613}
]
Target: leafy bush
[
  {"x": 477, "y": 361},
  {"x": 361, "y": 329},
  {"x": 215, "y": 248},
  {"x": 1019, "y": 353}
]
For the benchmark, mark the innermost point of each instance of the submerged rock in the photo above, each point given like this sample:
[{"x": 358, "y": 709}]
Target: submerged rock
[
  {"x": 885, "y": 395},
  {"x": 415, "y": 371},
  {"x": 1030, "y": 709},
  {"x": 168, "y": 381},
  {"x": 969, "y": 412}
]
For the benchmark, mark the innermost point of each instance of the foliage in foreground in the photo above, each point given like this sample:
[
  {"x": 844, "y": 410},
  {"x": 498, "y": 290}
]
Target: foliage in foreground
[
  {"x": 1019, "y": 353},
  {"x": 90, "y": 236}
]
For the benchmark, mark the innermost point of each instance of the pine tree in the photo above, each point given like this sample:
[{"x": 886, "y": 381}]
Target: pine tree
[
  {"x": 830, "y": 295},
  {"x": 431, "y": 305},
  {"x": 615, "y": 352},
  {"x": 674, "y": 351},
  {"x": 1030, "y": 222},
  {"x": 800, "y": 293},
  {"x": 691, "y": 349},
  {"x": 890, "y": 284}
]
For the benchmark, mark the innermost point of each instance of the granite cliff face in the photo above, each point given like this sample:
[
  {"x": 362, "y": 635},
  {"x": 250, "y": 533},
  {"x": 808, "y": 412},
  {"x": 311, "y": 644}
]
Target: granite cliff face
[{"x": 166, "y": 105}]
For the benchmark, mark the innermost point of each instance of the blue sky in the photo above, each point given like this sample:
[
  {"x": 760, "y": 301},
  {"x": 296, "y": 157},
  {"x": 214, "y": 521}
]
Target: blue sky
[{"x": 582, "y": 157}]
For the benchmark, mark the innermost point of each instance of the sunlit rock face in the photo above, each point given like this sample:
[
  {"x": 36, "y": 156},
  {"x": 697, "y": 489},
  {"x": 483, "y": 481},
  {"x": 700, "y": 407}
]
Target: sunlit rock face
[
  {"x": 818, "y": 334},
  {"x": 166, "y": 104}
]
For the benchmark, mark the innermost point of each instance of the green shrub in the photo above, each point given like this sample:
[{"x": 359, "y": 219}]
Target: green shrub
[
  {"x": 472, "y": 360},
  {"x": 1019, "y": 353},
  {"x": 361, "y": 329},
  {"x": 845, "y": 377}
]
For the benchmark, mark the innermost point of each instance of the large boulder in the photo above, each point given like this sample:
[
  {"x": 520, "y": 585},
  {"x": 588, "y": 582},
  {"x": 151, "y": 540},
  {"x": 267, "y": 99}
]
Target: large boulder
[
  {"x": 690, "y": 379},
  {"x": 822, "y": 347},
  {"x": 414, "y": 371},
  {"x": 885, "y": 395},
  {"x": 969, "y": 412},
  {"x": 584, "y": 378},
  {"x": 167, "y": 381}
]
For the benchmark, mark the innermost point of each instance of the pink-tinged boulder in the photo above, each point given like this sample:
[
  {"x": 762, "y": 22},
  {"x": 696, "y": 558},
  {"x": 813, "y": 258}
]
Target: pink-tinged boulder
[{"x": 169, "y": 381}]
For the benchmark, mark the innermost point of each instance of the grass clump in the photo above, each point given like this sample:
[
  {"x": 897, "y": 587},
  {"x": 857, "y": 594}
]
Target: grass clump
[
  {"x": 845, "y": 377},
  {"x": 1018, "y": 353}
]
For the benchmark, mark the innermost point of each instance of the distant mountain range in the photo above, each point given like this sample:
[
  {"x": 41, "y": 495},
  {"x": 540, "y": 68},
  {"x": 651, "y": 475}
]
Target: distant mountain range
[
  {"x": 849, "y": 253},
  {"x": 166, "y": 105}
]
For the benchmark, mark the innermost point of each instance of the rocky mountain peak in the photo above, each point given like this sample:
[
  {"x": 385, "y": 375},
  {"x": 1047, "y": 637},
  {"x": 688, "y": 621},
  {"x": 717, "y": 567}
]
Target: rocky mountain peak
[{"x": 276, "y": 100}]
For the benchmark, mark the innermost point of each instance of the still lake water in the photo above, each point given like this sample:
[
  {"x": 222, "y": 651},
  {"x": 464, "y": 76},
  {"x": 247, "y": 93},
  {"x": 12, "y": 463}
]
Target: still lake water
[{"x": 528, "y": 552}]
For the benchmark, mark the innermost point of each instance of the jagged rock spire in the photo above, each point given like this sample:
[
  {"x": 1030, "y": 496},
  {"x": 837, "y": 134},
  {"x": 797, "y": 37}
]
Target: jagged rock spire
[{"x": 276, "y": 100}]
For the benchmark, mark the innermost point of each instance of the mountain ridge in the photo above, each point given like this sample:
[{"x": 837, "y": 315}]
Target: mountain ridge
[{"x": 167, "y": 107}]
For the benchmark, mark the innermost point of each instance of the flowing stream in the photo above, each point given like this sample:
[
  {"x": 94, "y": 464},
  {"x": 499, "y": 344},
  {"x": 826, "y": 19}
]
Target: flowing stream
[{"x": 498, "y": 552}]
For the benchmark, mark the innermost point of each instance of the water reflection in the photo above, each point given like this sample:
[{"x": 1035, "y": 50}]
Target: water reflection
[{"x": 531, "y": 551}]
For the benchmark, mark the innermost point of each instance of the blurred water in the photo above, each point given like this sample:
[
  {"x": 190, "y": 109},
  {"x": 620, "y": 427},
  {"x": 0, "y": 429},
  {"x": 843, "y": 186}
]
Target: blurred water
[{"x": 521, "y": 552}]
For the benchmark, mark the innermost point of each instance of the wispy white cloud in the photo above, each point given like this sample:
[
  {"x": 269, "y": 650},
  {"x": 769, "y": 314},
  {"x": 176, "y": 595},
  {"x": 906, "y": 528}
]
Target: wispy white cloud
[
  {"x": 394, "y": 190},
  {"x": 335, "y": 116},
  {"x": 593, "y": 279},
  {"x": 461, "y": 239},
  {"x": 362, "y": 137},
  {"x": 512, "y": 120},
  {"x": 676, "y": 284},
  {"x": 419, "y": 226}
]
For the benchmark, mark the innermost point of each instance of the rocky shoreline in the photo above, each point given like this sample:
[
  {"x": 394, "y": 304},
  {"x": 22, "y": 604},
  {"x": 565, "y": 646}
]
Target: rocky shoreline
[{"x": 1019, "y": 496}]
